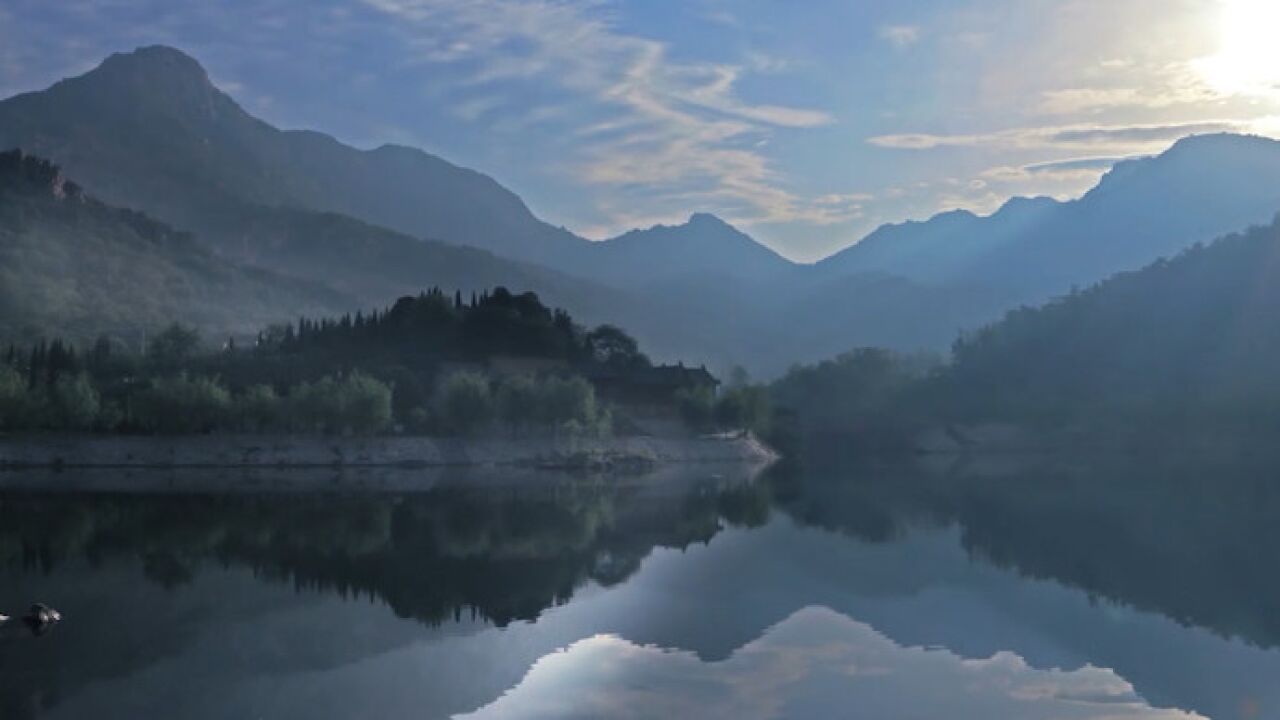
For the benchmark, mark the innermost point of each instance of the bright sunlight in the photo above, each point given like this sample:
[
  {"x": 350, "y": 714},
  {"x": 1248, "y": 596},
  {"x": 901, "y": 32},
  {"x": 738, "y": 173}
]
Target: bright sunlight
[{"x": 1248, "y": 59}]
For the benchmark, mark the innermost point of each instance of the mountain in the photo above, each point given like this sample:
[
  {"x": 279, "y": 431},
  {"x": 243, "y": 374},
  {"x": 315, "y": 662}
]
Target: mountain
[
  {"x": 944, "y": 248},
  {"x": 1201, "y": 188},
  {"x": 74, "y": 266},
  {"x": 705, "y": 246},
  {"x": 1191, "y": 335},
  {"x": 148, "y": 129}
]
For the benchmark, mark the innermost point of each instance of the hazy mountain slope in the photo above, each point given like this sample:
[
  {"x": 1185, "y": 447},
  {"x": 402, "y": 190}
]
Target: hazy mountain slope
[
  {"x": 705, "y": 245},
  {"x": 1195, "y": 331},
  {"x": 1200, "y": 188},
  {"x": 946, "y": 247},
  {"x": 72, "y": 266}
]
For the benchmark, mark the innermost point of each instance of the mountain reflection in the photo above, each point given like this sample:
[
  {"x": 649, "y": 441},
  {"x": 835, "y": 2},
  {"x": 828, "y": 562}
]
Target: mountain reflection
[
  {"x": 1189, "y": 537},
  {"x": 1100, "y": 586}
]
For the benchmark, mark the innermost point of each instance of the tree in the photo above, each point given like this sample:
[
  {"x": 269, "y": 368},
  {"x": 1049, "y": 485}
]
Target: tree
[
  {"x": 365, "y": 404},
  {"x": 517, "y": 401},
  {"x": 355, "y": 403},
  {"x": 566, "y": 400},
  {"x": 697, "y": 406},
  {"x": 609, "y": 345},
  {"x": 464, "y": 402},
  {"x": 173, "y": 347},
  {"x": 73, "y": 403},
  {"x": 744, "y": 408},
  {"x": 258, "y": 409},
  {"x": 182, "y": 404},
  {"x": 13, "y": 399}
]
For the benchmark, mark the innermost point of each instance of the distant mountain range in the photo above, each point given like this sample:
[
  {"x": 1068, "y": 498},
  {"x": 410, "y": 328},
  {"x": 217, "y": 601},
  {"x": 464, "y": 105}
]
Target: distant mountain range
[
  {"x": 1203, "y": 187},
  {"x": 148, "y": 130}
]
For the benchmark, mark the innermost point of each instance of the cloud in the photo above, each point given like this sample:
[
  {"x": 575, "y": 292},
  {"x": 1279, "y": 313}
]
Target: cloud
[
  {"x": 1078, "y": 100},
  {"x": 900, "y": 36},
  {"x": 475, "y": 108},
  {"x": 1145, "y": 133},
  {"x": 1073, "y": 171},
  {"x": 652, "y": 120},
  {"x": 1150, "y": 86},
  {"x": 1127, "y": 138}
]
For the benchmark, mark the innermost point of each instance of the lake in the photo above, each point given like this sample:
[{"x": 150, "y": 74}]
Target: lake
[{"x": 1048, "y": 588}]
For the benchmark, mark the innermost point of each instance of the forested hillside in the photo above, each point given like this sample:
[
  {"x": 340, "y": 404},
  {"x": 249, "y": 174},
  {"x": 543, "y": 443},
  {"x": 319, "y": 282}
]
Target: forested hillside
[
  {"x": 1194, "y": 334},
  {"x": 74, "y": 267}
]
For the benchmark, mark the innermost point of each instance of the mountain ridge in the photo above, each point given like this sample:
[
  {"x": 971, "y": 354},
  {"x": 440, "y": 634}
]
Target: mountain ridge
[{"x": 300, "y": 201}]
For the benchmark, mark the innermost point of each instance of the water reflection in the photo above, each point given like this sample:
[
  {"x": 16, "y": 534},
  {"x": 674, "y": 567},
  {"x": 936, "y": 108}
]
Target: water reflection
[
  {"x": 1067, "y": 587},
  {"x": 813, "y": 663}
]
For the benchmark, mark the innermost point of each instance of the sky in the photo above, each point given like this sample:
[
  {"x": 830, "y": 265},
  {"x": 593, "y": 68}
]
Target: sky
[{"x": 806, "y": 124}]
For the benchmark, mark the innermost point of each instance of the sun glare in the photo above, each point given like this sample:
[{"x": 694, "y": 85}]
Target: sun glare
[{"x": 1248, "y": 58}]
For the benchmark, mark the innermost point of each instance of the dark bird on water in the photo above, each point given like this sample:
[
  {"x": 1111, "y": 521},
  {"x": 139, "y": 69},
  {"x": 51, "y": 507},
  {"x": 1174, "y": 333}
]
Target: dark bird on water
[{"x": 38, "y": 619}]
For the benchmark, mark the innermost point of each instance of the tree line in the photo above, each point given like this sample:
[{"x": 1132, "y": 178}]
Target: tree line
[{"x": 418, "y": 366}]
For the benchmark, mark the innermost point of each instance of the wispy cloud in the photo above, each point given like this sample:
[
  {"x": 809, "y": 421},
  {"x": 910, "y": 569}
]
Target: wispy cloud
[
  {"x": 653, "y": 120},
  {"x": 1124, "y": 138},
  {"x": 1155, "y": 87},
  {"x": 900, "y": 36}
]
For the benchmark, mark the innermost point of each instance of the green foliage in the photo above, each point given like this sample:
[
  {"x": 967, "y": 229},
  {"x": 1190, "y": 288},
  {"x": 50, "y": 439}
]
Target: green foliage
[
  {"x": 855, "y": 392},
  {"x": 611, "y": 346},
  {"x": 697, "y": 407},
  {"x": 72, "y": 403},
  {"x": 566, "y": 400},
  {"x": 258, "y": 409},
  {"x": 517, "y": 400},
  {"x": 182, "y": 404},
  {"x": 745, "y": 407},
  {"x": 13, "y": 398},
  {"x": 352, "y": 404},
  {"x": 464, "y": 402}
]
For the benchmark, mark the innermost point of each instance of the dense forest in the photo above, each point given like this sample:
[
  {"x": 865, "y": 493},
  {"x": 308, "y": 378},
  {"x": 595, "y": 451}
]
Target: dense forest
[
  {"x": 435, "y": 363},
  {"x": 1189, "y": 341}
]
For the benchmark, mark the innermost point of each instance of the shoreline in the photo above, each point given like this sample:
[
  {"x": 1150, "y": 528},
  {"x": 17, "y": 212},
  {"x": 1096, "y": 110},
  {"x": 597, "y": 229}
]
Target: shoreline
[{"x": 52, "y": 451}]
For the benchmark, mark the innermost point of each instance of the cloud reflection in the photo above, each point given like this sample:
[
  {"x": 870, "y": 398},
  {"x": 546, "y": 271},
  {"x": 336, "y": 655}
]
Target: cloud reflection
[{"x": 816, "y": 663}]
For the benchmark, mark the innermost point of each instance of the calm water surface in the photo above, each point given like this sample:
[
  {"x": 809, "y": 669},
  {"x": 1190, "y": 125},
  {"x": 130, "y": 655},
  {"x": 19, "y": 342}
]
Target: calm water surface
[{"x": 1117, "y": 587}]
